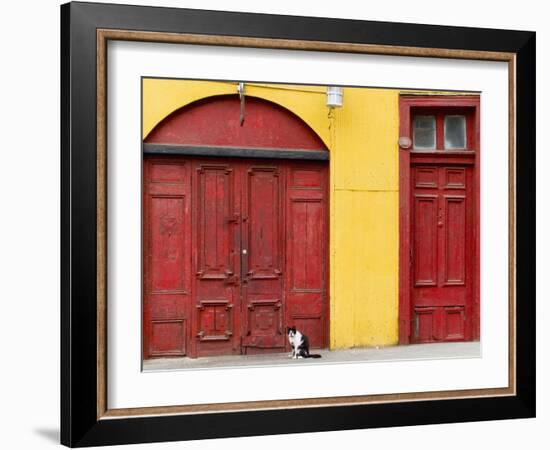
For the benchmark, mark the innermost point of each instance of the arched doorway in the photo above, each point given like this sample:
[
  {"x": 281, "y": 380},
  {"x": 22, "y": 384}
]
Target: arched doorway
[{"x": 235, "y": 230}]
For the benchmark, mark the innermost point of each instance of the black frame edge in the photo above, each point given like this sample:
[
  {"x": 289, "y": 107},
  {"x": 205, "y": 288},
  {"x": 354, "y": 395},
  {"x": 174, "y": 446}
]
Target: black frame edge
[
  {"x": 307, "y": 28},
  {"x": 65, "y": 416},
  {"x": 303, "y": 420},
  {"x": 79, "y": 230},
  {"x": 525, "y": 223}
]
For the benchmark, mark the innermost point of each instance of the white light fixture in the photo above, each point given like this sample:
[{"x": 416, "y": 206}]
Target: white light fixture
[
  {"x": 335, "y": 95},
  {"x": 240, "y": 90}
]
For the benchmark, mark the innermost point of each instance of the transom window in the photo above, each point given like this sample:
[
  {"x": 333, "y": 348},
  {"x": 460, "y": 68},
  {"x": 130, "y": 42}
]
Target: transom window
[
  {"x": 445, "y": 129},
  {"x": 454, "y": 132},
  {"x": 424, "y": 132}
]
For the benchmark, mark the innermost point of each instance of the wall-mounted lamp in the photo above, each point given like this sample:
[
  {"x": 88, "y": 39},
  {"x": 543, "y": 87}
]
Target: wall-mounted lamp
[
  {"x": 240, "y": 90},
  {"x": 335, "y": 96}
]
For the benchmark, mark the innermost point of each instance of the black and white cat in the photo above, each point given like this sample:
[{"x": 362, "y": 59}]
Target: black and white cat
[{"x": 299, "y": 343}]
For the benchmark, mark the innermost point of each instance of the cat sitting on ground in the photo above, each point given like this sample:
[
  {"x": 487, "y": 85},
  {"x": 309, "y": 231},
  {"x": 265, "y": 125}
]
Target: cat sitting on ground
[{"x": 299, "y": 344}]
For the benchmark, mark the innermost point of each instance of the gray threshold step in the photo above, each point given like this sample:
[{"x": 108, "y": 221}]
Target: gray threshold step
[{"x": 354, "y": 355}]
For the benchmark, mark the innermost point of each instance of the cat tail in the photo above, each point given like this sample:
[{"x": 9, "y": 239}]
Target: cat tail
[{"x": 314, "y": 355}]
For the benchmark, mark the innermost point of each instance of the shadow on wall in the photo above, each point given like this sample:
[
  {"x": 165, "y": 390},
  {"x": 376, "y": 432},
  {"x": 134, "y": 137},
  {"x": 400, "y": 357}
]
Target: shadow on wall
[{"x": 50, "y": 434}]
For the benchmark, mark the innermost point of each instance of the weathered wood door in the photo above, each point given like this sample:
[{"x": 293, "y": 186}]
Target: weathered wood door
[
  {"x": 262, "y": 256},
  {"x": 442, "y": 249},
  {"x": 235, "y": 252},
  {"x": 215, "y": 240},
  {"x": 235, "y": 249},
  {"x": 439, "y": 219}
]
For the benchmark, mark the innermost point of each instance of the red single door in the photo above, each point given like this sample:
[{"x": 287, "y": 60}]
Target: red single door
[
  {"x": 439, "y": 219},
  {"x": 442, "y": 240}
]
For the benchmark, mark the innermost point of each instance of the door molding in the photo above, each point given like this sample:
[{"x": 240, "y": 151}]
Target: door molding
[
  {"x": 236, "y": 152},
  {"x": 406, "y": 103}
]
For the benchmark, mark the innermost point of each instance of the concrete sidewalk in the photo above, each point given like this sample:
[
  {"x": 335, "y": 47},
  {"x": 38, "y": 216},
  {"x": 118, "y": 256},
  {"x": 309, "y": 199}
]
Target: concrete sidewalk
[{"x": 394, "y": 353}]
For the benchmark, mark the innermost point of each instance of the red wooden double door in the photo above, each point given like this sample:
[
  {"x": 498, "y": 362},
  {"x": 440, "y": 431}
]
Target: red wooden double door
[{"x": 235, "y": 250}]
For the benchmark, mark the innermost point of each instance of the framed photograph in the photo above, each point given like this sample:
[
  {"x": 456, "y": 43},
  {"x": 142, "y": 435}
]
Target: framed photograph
[{"x": 278, "y": 224}]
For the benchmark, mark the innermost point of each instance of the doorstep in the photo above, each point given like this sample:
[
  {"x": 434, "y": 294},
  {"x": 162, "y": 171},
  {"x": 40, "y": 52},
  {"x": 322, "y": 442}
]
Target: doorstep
[{"x": 354, "y": 355}]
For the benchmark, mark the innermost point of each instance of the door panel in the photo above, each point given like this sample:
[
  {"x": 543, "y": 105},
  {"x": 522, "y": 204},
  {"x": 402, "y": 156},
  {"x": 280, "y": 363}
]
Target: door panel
[
  {"x": 455, "y": 241},
  {"x": 263, "y": 223},
  {"x": 455, "y": 323},
  {"x": 166, "y": 243},
  {"x": 262, "y": 291},
  {"x": 214, "y": 207},
  {"x": 166, "y": 261},
  {"x": 237, "y": 251},
  {"x": 442, "y": 252},
  {"x": 216, "y": 294},
  {"x": 425, "y": 240},
  {"x": 168, "y": 337},
  {"x": 306, "y": 250}
]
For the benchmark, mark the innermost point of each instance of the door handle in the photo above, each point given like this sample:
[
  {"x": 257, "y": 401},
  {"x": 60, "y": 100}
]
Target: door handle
[
  {"x": 233, "y": 219},
  {"x": 233, "y": 279}
]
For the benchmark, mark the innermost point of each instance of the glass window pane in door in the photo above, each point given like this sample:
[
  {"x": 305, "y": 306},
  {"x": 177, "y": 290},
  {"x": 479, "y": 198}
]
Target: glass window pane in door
[
  {"x": 455, "y": 132},
  {"x": 424, "y": 132}
]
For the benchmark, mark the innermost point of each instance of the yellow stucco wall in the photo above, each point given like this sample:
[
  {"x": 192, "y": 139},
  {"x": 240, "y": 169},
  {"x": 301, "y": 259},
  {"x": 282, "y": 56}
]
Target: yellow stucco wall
[{"x": 364, "y": 220}]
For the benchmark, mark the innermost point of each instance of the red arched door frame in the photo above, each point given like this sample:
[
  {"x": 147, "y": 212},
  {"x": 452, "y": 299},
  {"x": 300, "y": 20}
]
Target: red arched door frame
[{"x": 235, "y": 230}]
